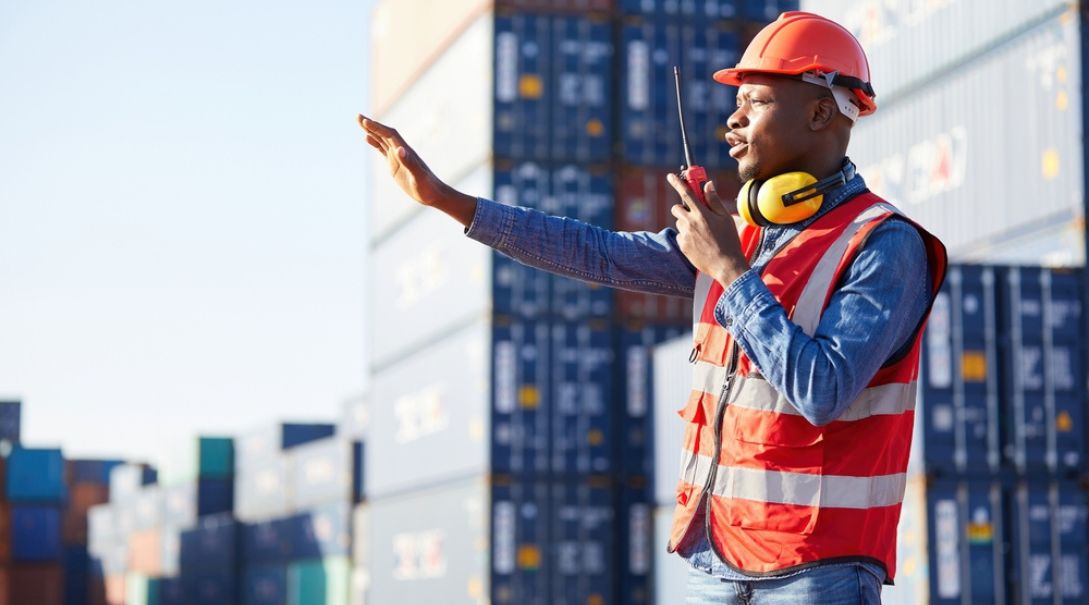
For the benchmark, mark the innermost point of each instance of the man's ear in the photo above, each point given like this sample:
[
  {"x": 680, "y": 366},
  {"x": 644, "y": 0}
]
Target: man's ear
[{"x": 824, "y": 112}]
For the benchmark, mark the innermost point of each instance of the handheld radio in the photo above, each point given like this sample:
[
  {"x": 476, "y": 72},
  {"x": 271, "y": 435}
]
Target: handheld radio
[{"x": 695, "y": 176}]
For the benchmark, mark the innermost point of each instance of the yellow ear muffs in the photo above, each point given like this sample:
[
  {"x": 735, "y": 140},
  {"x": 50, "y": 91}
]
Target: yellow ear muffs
[{"x": 781, "y": 200}]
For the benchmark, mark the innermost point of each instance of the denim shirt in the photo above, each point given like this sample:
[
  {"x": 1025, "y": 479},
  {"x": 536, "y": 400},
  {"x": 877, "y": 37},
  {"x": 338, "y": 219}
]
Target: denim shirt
[{"x": 873, "y": 313}]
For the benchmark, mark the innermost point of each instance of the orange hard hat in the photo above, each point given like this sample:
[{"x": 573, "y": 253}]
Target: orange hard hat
[{"x": 800, "y": 43}]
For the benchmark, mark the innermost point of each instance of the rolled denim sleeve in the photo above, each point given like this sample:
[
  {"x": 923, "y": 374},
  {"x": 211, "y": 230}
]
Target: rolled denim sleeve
[
  {"x": 872, "y": 314},
  {"x": 641, "y": 261}
]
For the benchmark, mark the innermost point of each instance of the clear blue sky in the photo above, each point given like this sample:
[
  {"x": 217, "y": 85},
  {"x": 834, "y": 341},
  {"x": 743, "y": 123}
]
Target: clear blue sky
[{"x": 181, "y": 217}]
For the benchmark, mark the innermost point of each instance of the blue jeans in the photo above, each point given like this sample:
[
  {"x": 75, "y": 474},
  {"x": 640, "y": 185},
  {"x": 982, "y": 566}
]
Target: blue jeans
[{"x": 830, "y": 585}]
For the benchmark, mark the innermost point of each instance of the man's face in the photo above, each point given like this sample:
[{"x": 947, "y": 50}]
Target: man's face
[{"x": 769, "y": 131}]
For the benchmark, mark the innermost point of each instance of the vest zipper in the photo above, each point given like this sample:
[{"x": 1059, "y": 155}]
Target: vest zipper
[{"x": 720, "y": 416}]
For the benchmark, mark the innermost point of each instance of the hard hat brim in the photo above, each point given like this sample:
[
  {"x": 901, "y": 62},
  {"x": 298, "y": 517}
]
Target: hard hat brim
[{"x": 733, "y": 76}]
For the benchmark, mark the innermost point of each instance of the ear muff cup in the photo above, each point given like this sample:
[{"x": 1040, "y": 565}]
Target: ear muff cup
[{"x": 781, "y": 200}]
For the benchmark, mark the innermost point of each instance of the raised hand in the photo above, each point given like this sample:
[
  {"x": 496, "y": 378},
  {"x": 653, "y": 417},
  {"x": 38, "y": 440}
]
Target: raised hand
[{"x": 413, "y": 176}]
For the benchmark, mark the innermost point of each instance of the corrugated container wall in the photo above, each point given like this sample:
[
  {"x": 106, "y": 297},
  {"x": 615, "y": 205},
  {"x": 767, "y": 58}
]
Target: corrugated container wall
[
  {"x": 942, "y": 155},
  {"x": 909, "y": 44},
  {"x": 446, "y": 114},
  {"x": 672, "y": 384},
  {"x": 958, "y": 418}
]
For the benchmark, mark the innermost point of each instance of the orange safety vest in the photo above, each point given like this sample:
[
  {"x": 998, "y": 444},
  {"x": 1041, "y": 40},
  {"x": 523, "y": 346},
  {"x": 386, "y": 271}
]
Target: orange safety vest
[{"x": 784, "y": 493}]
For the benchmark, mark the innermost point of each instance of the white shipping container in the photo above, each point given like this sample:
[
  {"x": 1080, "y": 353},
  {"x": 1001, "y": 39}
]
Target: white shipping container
[
  {"x": 261, "y": 490},
  {"x": 670, "y": 570},
  {"x": 446, "y": 116},
  {"x": 908, "y": 41},
  {"x": 992, "y": 154},
  {"x": 434, "y": 411},
  {"x": 426, "y": 278},
  {"x": 321, "y": 472},
  {"x": 672, "y": 384}
]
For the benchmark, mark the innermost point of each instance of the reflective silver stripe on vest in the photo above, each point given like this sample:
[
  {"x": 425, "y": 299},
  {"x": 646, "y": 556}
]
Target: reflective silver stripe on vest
[
  {"x": 885, "y": 399},
  {"x": 807, "y": 313},
  {"x": 699, "y": 298},
  {"x": 708, "y": 377},
  {"x": 832, "y": 491}
]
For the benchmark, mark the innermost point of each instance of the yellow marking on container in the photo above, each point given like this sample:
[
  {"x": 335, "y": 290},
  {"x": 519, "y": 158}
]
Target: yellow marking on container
[
  {"x": 595, "y": 599},
  {"x": 1064, "y": 423},
  {"x": 595, "y": 128},
  {"x": 529, "y": 556},
  {"x": 909, "y": 566},
  {"x": 530, "y": 86},
  {"x": 1062, "y": 100},
  {"x": 980, "y": 532},
  {"x": 475, "y": 589},
  {"x": 529, "y": 396},
  {"x": 1060, "y": 73},
  {"x": 595, "y": 437},
  {"x": 973, "y": 366},
  {"x": 1049, "y": 163}
]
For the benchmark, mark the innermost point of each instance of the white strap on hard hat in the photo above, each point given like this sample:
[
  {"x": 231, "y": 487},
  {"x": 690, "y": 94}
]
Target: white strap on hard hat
[{"x": 841, "y": 94}]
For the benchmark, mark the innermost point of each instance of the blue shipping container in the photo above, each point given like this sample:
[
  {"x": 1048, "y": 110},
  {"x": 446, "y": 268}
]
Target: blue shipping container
[
  {"x": 585, "y": 195},
  {"x": 634, "y": 369},
  {"x": 76, "y": 574},
  {"x": 518, "y": 290},
  {"x": 1048, "y": 529},
  {"x": 582, "y": 542},
  {"x": 321, "y": 532},
  {"x": 960, "y": 390},
  {"x": 767, "y": 10},
  {"x": 966, "y": 541},
  {"x": 36, "y": 533},
  {"x": 10, "y": 420},
  {"x": 635, "y": 547},
  {"x": 92, "y": 471},
  {"x": 581, "y": 81},
  {"x": 211, "y": 545},
  {"x": 650, "y": 130},
  {"x": 171, "y": 591},
  {"x": 521, "y": 390},
  {"x": 1043, "y": 361},
  {"x": 267, "y": 542},
  {"x": 35, "y": 475},
  {"x": 581, "y": 401},
  {"x": 523, "y": 89},
  {"x": 264, "y": 585},
  {"x": 210, "y": 587},
  {"x": 700, "y": 9}
]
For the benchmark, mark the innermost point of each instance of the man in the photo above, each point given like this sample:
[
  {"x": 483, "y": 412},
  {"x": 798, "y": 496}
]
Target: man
[{"x": 807, "y": 326}]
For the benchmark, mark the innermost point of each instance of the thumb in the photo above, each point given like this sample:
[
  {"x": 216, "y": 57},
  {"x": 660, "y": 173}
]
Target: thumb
[{"x": 711, "y": 195}]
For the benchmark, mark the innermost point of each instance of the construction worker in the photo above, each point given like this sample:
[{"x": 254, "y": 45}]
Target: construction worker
[{"x": 807, "y": 319}]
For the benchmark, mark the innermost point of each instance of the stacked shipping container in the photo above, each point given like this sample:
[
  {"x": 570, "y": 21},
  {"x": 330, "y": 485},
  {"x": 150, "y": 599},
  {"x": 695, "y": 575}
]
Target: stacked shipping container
[
  {"x": 1001, "y": 423},
  {"x": 513, "y": 396}
]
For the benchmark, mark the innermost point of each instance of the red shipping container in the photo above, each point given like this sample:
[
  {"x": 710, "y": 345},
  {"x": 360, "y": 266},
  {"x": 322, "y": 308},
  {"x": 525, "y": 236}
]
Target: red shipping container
[
  {"x": 5, "y": 586},
  {"x": 96, "y": 590},
  {"x": 146, "y": 552},
  {"x": 644, "y": 202},
  {"x": 5, "y": 533},
  {"x": 36, "y": 584},
  {"x": 81, "y": 497}
]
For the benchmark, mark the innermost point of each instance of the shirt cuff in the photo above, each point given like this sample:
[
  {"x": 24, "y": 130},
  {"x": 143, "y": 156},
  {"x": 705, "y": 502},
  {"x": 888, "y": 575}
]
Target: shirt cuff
[
  {"x": 491, "y": 222},
  {"x": 740, "y": 298}
]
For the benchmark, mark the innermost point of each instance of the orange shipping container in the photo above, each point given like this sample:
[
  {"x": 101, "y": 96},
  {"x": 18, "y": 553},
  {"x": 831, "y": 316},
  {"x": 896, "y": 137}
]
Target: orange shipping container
[
  {"x": 146, "y": 552},
  {"x": 82, "y": 496},
  {"x": 115, "y": 590}
]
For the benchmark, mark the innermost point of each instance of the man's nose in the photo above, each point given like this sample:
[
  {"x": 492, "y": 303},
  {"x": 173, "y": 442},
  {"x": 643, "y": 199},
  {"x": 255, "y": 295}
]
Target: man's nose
[{"x": 736, "y": 120}]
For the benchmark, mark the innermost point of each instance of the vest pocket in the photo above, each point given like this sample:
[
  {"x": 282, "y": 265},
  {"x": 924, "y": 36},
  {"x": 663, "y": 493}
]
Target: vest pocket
[{"x": 773, "y": 502}]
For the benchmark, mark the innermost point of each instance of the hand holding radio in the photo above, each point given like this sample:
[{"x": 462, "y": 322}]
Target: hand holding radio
[
  {"x": 707, "y": 234},
  {"x": 413, "y": 176}
]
